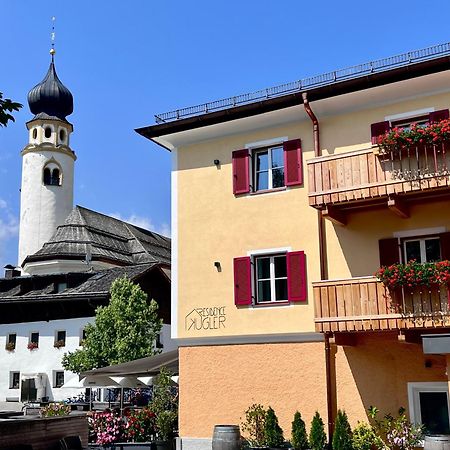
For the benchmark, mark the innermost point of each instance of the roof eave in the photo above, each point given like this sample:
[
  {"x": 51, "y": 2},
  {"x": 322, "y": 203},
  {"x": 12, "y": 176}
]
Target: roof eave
[{"x": 344, "y": 87}]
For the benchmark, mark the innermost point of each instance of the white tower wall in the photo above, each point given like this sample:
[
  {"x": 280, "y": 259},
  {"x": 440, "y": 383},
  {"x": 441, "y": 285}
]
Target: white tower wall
[{"x": 44, "y": 206}]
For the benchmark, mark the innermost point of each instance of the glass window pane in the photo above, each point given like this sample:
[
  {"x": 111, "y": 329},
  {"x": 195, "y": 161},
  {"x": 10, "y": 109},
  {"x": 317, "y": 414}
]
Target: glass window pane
[
  {"x": 262, "y": 161},
  {"x": 35, "y": 338},
  {"x": 413, "y": 250},
  {"x": 280, "y": 266},
  {"x": 434, "y": 412},
  {"x": 433, "y": 249},
  {"x": 277, "y": 178},
  {"x": 262, "y": 181},
  {"x": 277, "y": 157},
  {"x": 263, "y": 268},
  {"x": 264, "y": 291},
  {"x": 281, "y": 289}
]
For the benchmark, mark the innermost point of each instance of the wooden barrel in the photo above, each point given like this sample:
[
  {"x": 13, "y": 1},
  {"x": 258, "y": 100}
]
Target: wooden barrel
[
  {"x": 437, "y": 442},
  {"x": 227, "y": 437}
]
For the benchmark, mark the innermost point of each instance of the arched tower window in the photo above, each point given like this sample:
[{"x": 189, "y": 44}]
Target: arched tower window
[
  {"x": 48, "y": 132},
  {"x": 47, "y": 176},
  {"x": 52, "y": 175},
  {"x": 34, "y": 133}
]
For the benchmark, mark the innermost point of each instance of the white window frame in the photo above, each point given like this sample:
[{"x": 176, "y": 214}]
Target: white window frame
[
  {"x": 414, "y": 389},
  {"x": 54, "y": 378},
  {"x": 408, "y": 115},
  {"x": 65, "y": 336},
  {"x": 422, "y": 240},
  {"x": 268, "y": 150},
  {"x": 11, "y": 379},
  {"x": 34, "y": 332},
  {"x": 272, "y": 278}
]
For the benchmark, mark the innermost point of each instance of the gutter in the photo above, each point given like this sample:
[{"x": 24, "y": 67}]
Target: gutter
[{"x": 343, "y": 87}]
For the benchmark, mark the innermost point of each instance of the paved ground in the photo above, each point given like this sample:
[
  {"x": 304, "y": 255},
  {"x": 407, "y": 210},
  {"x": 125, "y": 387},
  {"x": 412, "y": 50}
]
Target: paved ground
[{"x": 11, "y": 406}]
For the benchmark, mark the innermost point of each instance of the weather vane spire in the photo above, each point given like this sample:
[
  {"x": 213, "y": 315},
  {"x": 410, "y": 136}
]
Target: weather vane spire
[{"x": 52, "y": 35}]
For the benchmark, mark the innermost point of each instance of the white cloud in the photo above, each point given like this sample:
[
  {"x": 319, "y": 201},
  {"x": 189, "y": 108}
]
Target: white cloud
[{"x": 144, "y": 222}]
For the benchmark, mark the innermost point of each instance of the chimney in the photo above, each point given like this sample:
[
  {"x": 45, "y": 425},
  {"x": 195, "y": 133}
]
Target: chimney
[{"x": 11, "y": 271}]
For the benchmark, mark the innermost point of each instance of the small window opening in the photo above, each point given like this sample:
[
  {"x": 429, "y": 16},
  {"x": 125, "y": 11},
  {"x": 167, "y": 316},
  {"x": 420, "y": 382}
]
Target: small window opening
[
  {"x": 14, "y": 380},
  {"x": 60, "y": 338},
  {"x": 34, "y": 133},
  {"x": 55, "y": 180},
  {"x": 59, "y": 379},
  {"x": 47, "y": 176},
  {"x": 61, "y": 287},
  {"x": 159, "y": 344},
  {"x": 62, "y": 135},
  {"x": 48, "y": 132}
]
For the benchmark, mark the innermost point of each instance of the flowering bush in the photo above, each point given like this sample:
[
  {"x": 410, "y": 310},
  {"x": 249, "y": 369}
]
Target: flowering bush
[
  {"x": 397, "y": 432},
  {"x": 140, "y": 426},
  {"x": 55, "y": 409},
  {"x": 398, "y": 138},
  {"x": 414, "y": 274},
  {"x": 32, "y": 345},
  {"x": 107, "y": 427},
  {"x": 10, "y": 346}
]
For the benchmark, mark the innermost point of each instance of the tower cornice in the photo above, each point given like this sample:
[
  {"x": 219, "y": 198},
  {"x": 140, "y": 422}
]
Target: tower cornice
[
  {"x": 64, "y": 149},
  {"x": 44, "y": 121}
]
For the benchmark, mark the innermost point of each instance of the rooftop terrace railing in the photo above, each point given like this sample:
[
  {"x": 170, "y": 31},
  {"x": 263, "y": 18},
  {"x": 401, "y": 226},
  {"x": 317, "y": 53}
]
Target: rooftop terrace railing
[{"x": 328, "y": 78}]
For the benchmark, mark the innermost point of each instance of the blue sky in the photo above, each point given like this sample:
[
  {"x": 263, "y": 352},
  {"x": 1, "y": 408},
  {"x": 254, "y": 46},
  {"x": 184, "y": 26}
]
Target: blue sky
[{"x": 125, "y": 61}]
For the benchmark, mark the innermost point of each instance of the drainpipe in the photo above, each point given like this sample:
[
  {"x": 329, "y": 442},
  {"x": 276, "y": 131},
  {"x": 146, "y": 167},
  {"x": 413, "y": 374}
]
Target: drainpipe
[
  {"x": 323, "y": 271},
  {"x": 320, "y": 220}
]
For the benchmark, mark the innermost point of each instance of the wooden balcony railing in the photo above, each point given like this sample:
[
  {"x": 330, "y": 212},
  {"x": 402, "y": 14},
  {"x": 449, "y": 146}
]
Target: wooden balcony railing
[
  {"x": 365, "y": 304},
  {"x": 351, "y": 179}
]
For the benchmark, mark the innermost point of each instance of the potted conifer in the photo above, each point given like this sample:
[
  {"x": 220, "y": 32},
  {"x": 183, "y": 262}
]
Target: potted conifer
[
  {"x": 272, "y": 431},
  {"x": 317, "y": 436},
  {"x": 299, "y": 439},
  {"x": 342, "y": 436}
]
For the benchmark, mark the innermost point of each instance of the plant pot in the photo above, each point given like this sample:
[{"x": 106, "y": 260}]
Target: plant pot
[{"x": 163, "y": 445}]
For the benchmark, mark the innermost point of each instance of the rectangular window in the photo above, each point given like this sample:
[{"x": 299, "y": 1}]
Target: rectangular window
[
  {"x": 159, "y": 343},
  {"x": 59, "y": 379},
  {"x": 34, "y": 338},
  {"x": 271, "y": 279},
  {"x": 14, "y": 380},
  {"x": 422, "y": 249},
  {"x": 11, "y": 341},
  {"x": 82, "y": 336},
  {"x": 429, "y": 405},
  {"x": 421, "y": 121},
  {"x": 268, "y": 168},
  {"x": 60, "y": 337}
]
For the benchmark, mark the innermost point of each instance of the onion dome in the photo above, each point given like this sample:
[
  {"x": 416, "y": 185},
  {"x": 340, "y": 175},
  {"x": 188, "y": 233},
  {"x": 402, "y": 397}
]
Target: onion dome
[{"x": 50, "y": 98}]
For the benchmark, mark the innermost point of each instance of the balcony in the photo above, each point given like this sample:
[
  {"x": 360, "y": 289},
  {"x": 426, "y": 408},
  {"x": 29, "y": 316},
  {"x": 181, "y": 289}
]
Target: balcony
[
  {"x": 365, "y": 304},
  {"x": 365, "y": 178}
]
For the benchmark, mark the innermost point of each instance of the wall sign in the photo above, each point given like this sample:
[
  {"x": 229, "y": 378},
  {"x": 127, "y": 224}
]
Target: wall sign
[{"x": 212, "y": 318}]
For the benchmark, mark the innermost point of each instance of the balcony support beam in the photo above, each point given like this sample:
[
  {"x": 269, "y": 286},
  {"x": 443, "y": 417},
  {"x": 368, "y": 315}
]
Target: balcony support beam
[
  {"x": 399, "y": 207},
  {"x": 337, "y": 217},
  {"x": 346, "y": 339}
]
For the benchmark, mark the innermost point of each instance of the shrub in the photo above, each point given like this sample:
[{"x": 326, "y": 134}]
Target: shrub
[
  {"x": 299, "y": 436},
  {"x": 140, "y": 426},
  {"x": 272, "y": 431},
  {"x": 342, "y": 436},
  {"x": 365, "y": 438},
  {"x": 254, "y": 425},
  {"x": 317, "y": 436}
]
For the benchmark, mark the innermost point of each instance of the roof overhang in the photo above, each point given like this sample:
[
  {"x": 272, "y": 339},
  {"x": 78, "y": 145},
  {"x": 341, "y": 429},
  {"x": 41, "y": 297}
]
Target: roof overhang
[{"x": 380, "y": 88}]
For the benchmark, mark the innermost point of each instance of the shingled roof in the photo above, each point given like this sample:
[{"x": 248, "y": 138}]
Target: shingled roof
[{"x": 106, "y": 238}]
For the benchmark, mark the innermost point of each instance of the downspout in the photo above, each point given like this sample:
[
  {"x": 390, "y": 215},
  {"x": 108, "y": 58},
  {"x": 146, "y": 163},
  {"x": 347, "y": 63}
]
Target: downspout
[{"x": 323, "y": 272}]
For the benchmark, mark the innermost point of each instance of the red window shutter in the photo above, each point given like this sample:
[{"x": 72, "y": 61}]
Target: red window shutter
[
  {"x": 378, "y": 129},
  {"x": 437, "y": 116},
  {"x": 444, "y": 239},
  {"x": 389, "y": 251},
  {"x": 242, "y": 281},
  {"x": 293, "y": 163},
  {"x": 240, "y": 162},
  {"x": 296, "y": 274}
]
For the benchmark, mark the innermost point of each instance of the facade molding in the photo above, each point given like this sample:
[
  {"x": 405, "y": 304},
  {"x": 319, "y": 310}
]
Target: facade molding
[{"x": 48, "y": 147}]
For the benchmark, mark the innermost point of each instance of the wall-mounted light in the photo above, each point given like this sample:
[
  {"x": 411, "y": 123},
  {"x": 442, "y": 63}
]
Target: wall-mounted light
[
  {"x": 218, "y": 266},
  {"x": 216, "y": 162}
]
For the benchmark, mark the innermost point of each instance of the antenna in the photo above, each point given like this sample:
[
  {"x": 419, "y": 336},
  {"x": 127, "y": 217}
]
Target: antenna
[{"x": 52, "y": 37}]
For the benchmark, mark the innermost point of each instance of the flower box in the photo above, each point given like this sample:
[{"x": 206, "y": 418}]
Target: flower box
[
  {"x": 59, "y": 344},
  {"x": 10, "y": 346},
  {"x": 32, "y": 345}
]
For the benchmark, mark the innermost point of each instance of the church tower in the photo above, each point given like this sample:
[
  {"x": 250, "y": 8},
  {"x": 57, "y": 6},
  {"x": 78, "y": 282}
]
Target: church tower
[{"x": 46, "y": 197}]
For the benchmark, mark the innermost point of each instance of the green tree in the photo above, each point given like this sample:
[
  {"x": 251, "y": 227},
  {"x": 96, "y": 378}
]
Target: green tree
[
  {"x": 124, "y": 330},
  {"x": 299, "y": 436},
  {"x": 7, "y": 106},
  {"x": 342, "y": 436},
  {"x": 317, "y": 436},
  {"x": 272, "y": 430}
]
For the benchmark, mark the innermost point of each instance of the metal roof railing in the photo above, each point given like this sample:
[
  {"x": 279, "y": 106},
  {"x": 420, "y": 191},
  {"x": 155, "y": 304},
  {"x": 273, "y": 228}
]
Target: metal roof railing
[{"x": 328, "y": 78}]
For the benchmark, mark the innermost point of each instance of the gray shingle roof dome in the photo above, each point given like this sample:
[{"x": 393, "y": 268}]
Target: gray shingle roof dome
[{"x": 50, "y": 98}]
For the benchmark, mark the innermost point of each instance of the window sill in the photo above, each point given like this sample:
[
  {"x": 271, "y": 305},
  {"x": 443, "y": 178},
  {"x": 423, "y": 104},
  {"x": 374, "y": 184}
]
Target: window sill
[
  {"x": 265, "y": 305},
  {"x": 268, "y": 191}
]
